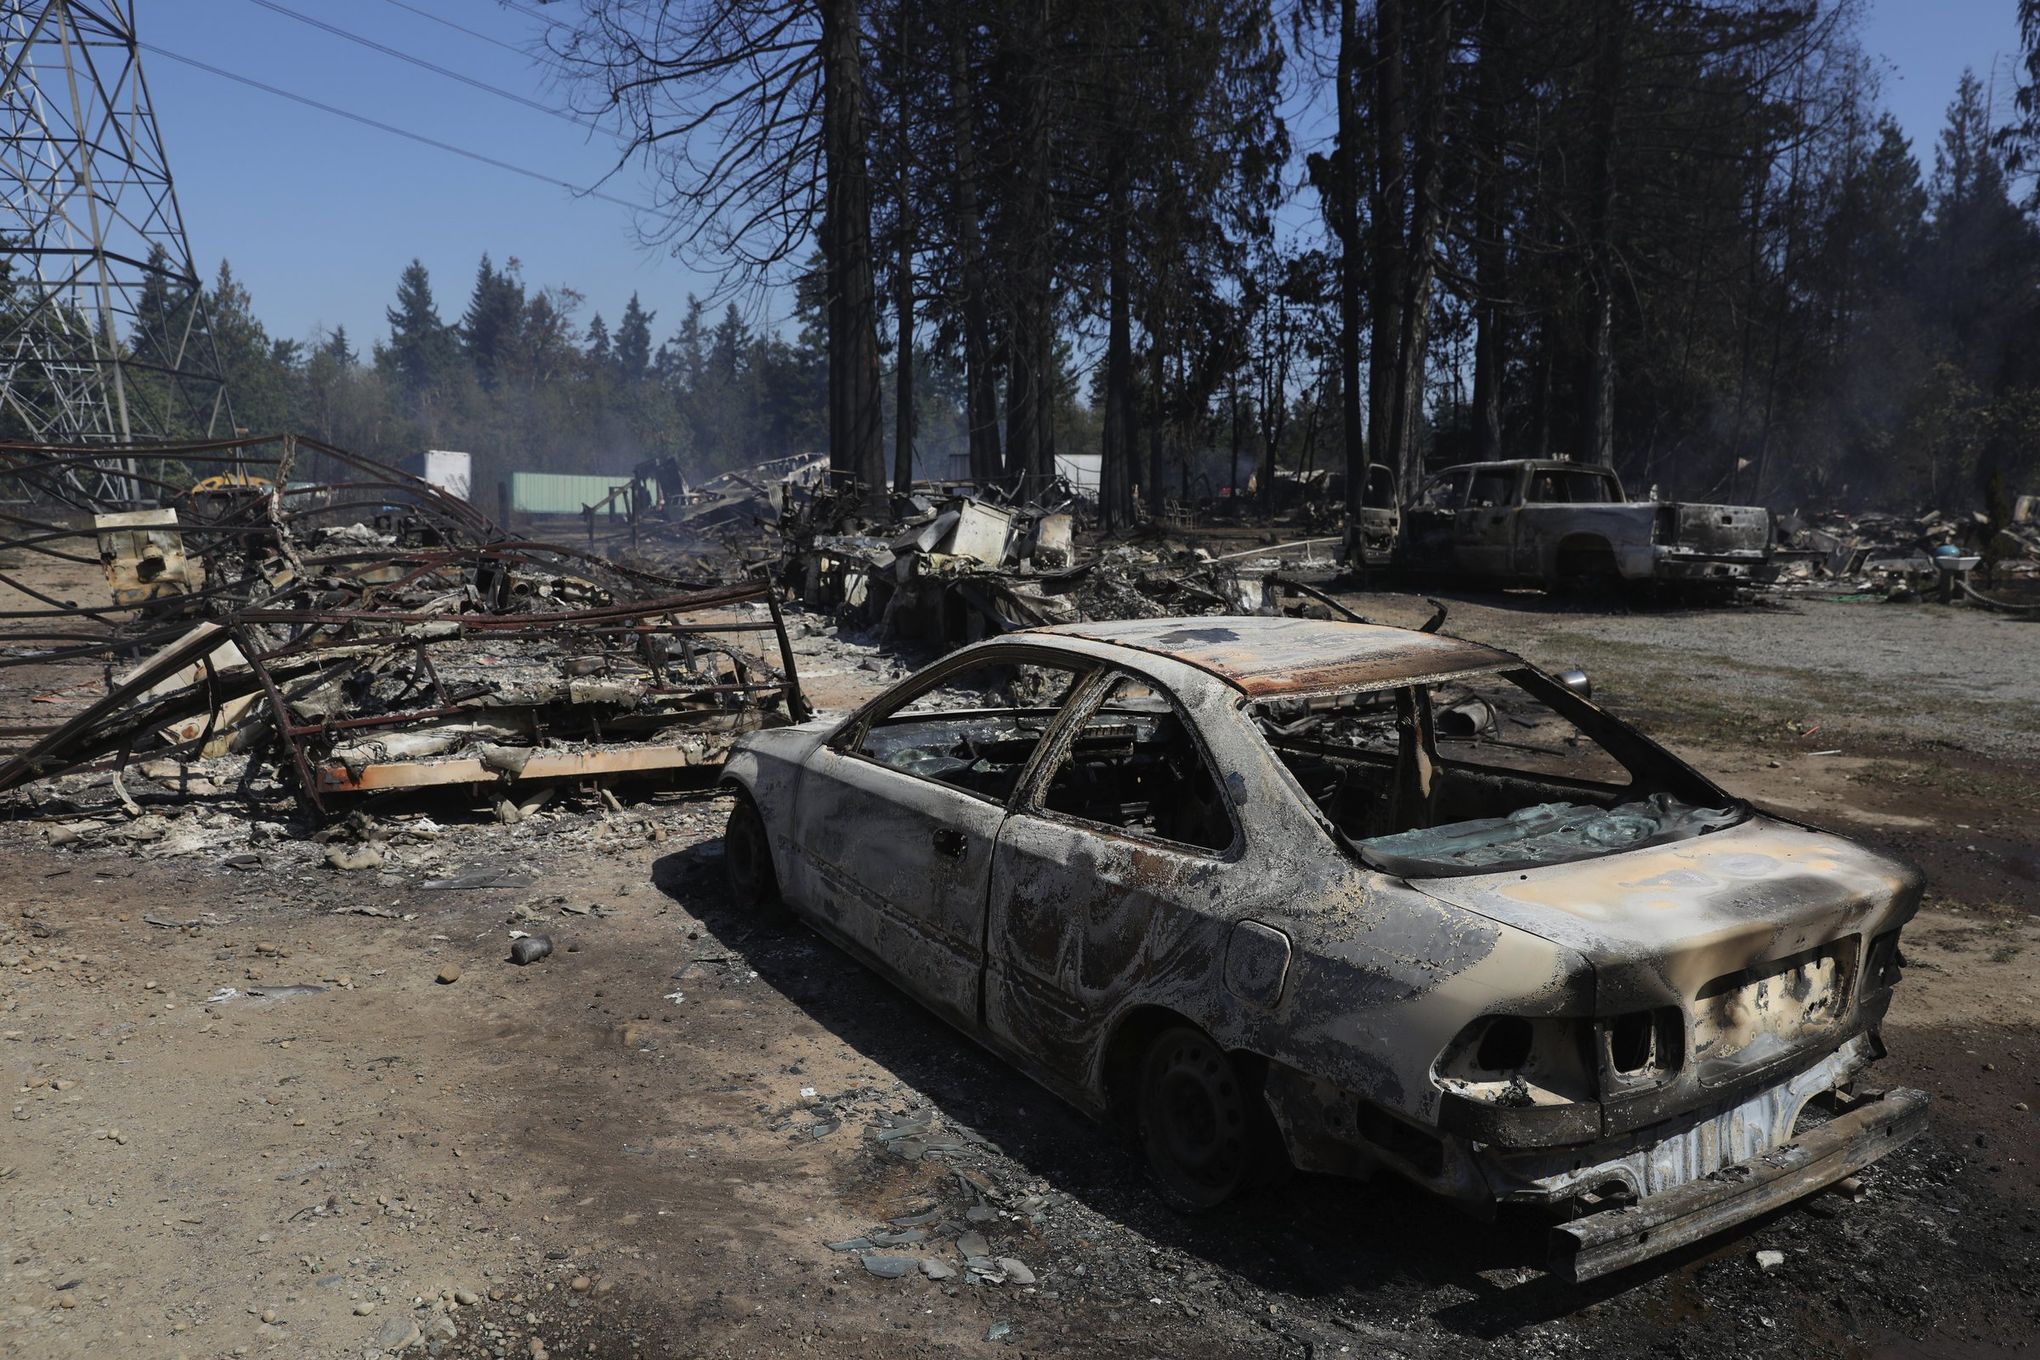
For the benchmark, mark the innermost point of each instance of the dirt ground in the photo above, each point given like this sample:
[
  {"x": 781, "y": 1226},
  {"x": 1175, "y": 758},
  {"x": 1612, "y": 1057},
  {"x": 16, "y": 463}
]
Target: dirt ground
[{"x": 247, "y": 1119}]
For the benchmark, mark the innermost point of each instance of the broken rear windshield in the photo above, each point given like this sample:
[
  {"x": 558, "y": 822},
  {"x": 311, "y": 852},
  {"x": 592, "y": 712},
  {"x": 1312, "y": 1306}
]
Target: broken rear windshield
[
  {"x": 1570, "y": 486},
  {"x": 1510, "y": 771}
]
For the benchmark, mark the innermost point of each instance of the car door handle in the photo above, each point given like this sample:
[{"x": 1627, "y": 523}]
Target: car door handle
[{"x": 950, "y": 842}]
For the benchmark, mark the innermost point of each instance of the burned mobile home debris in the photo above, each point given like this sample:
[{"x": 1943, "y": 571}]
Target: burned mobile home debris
[
  {"x": 1927, "y": 554},
  {"x": 362, "y": 630},
  {"x": 956, "y": 566},
  {"x": 1352, "y": 898}
]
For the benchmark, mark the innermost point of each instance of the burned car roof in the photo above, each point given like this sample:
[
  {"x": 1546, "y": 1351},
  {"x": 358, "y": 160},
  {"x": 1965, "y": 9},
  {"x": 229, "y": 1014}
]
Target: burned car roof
[{"x": 1267, "y": 658}]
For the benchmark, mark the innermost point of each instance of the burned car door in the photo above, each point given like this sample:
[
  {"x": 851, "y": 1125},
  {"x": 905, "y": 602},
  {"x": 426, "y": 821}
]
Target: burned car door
[
  {"x": 1426, "y": 527},
  {"x": 897, "y": 815},
  {"x": 1380, "y": 517},
  {"x": 1484, "y": 532},
  {"x": 1126, "y": 824}
]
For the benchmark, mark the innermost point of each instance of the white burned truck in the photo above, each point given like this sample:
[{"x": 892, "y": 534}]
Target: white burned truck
[{"x": 1559, "y": 525}]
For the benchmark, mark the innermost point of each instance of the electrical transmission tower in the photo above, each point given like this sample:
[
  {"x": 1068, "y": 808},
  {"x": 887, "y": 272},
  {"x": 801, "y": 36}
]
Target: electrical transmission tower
[{"x": 104, "y": 332}]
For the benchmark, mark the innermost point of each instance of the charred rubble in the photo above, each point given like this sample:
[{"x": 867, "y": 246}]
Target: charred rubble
[
  {"x": 277, "y": 613},
  {"x": 281, "y": 605},
  {"x": 1902, "y": 555},
  {"x": 943, "y": 570}
]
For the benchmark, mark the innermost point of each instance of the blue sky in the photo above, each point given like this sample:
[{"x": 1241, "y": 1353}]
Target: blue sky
[{"x": 319, "y": 215}]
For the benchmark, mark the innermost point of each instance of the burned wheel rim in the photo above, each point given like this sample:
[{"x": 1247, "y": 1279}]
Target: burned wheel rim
[
  {"x": 1193, "y": 1120},
  {"x": 748, "y": 858}
]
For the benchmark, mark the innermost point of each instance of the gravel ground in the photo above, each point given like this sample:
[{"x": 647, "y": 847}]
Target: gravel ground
[{"x": 1908, "y": 673}]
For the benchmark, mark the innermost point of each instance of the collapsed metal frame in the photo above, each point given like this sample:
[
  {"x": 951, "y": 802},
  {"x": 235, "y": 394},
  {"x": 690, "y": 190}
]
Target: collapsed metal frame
[{"x": 327, "y": 615}]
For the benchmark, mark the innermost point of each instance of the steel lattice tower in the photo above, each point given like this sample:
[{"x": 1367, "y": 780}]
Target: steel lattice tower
[{"x": 104, "y": 334}]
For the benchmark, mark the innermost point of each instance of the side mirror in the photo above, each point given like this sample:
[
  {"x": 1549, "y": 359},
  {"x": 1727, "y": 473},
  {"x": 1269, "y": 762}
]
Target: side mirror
[{"x": 1576, "y": 680}]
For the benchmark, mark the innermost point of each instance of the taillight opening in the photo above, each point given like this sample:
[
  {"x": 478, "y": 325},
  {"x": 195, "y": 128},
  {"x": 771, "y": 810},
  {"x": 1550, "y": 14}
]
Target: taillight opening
[
  {"x": 1641, "y": 1049},
  {"x": 1886, "y": 964},
  {"x": 1629, "y": 1042},
  {"x": 1504, "y": 1044}
]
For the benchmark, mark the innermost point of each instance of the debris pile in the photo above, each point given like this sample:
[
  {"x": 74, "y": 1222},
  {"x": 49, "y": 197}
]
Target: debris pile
[
  {"x": 955, "y": 569},
  {"x": 356, "y": 629},
  {"x": 1869, "y": 547},
  {"x": 723, "y": 527},
  {"x": 1902, "y": 558}
]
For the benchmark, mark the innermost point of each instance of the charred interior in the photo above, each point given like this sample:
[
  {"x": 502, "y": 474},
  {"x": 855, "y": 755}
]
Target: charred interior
[{"x": 1484, "y": 773}]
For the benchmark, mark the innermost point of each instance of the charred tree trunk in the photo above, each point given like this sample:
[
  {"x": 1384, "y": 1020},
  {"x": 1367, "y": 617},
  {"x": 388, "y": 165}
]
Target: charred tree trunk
[
  {"x": 1346, "y": 209},
  {"x": 905, "y": 416},
  {"x": 1158, "y": 451},
  {"x": 856, "y": 436},
  {"x": 1542, "y": 392},
  {"x": 1028, "y": 383},
  {"x": 1274, "y": 398},
  {"x": 1022, "y": 433},
  {"x": 980, "y": 380},
  {"x": 1490, "y": 245},
  {"x": 1044, "y": 381},
  {"x": 1122, "y": 440},
  {"x": 1233, "y": 407},
  {"x": 1420, "y": 264},
  {"x": 1597, "y": 386},
  {"x": 1388, "y": 218},
  {"x": 1490, "y": 355}
]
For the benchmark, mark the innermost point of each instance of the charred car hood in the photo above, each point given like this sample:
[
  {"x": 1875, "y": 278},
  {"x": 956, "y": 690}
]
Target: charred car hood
[{"x": 1660, "y": 923}]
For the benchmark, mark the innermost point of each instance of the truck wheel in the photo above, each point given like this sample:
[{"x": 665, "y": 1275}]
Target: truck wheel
[
  {"x": 747, "y": 857},
  {"x": 1587, "y": 572},
  {"x": 1196, "y": 1121}
]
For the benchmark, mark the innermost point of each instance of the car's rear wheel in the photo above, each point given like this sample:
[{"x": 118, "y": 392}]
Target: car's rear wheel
[
  {"x": 747, "y": 857},
  {"x": 1196, "y": 1120},
  {"x": 1586, "y": 569}
]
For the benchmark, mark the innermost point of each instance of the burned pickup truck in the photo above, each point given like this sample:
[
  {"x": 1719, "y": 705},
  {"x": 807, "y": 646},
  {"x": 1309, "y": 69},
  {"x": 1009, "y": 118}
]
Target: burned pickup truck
[
  {"x": 1282, "y": 892},
  {"x": 1561, "y": 525}
]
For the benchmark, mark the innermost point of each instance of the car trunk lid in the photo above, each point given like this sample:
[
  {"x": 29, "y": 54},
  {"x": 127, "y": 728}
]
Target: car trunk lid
[{"x": 1757, "y": 931}]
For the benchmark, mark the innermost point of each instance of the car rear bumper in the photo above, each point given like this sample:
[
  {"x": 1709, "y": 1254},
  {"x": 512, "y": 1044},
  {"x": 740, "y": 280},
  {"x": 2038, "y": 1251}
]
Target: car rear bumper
[{"x": 1614, "y": 1238}]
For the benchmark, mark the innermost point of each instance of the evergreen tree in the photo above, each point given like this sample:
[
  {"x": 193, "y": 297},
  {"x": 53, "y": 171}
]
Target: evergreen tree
[
  {"x": 684, "y": 357},
  {"x": 422, "y": 348},
  {"x": 163, "y": 314},
  {"x": 258, "y": 372},
  {"x": 490, "y": 326},
  {"x": 634, "y": 342}
]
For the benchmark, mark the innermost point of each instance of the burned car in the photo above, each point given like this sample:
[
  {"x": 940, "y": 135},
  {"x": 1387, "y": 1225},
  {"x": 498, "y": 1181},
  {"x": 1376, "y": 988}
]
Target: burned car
[{"x": 1349, "y": 898}]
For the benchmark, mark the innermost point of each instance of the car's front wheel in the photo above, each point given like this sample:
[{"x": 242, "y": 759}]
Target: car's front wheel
[
  {"x": 747, "y": 857},
  {"x": 1196, "y": 1121}
]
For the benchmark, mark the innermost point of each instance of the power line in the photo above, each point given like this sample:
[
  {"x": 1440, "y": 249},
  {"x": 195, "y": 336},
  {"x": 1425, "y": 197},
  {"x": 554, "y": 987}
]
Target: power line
[
  {"x": 545, "y": 19},
  {"x": 419, "y": 137},
  {"x": 423, "y": 64},
  {"x": 462, "y": 28}
]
